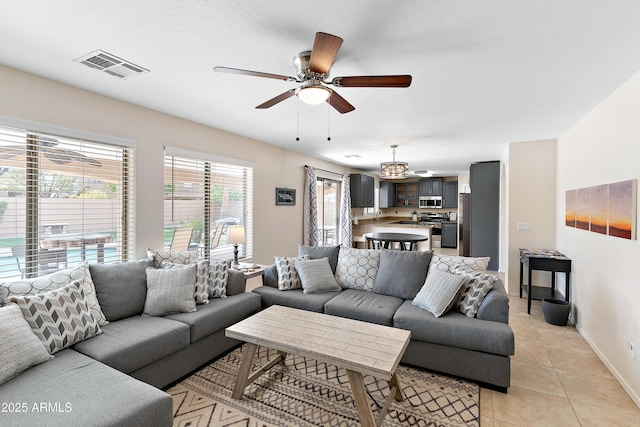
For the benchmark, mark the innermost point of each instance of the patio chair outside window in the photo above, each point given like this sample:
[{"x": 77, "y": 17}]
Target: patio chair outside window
[{"x": 181, "y": 239}]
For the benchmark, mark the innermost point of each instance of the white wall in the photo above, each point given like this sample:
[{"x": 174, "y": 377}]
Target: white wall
[
  {"x": 531, "y": 198},
  {"x": 604, "y": 147},
  {"x": 277, "y": 229}
]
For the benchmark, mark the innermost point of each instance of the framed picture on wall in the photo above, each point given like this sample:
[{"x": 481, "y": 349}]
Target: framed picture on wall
[{"x": 285, "y": 196}]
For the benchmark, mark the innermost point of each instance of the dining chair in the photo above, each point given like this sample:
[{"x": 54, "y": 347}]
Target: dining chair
[{"x": 181, "y": 239}]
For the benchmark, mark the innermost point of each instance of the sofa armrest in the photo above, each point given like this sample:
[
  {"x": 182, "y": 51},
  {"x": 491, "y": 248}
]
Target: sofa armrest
[
  {"x": 495, "y": 306},
  {"x": 271, "y": 276},
  {"x": 236, "y": 283}
]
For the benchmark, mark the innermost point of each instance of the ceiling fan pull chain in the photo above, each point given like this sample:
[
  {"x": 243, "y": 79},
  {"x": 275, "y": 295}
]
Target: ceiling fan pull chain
[
  {"x": 297, "y": 120},
  {"x": 328, "y": 123}
]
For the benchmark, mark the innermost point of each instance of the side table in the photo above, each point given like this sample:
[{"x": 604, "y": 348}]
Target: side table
[{"x": 543, "y": 260}]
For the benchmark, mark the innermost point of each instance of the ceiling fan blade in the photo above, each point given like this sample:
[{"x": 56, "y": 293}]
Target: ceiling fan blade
[
  {"x": 254, "y": 73},
  {"x": 373, "y": 81},
  {"x": 339, "y": 103},
  {"x": 279, "y": 98},
  {"x": 325, "y": 48}
]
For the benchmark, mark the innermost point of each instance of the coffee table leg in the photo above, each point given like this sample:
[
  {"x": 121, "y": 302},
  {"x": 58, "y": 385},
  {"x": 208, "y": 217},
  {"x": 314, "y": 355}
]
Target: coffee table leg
[
  {"x": 360, "y": 396},
  {"x": 244, "y": 371},
  {"x": 393, "y": 382}
]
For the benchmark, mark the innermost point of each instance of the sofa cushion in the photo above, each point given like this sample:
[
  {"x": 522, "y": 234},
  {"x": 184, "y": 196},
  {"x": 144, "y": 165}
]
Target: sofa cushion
[
  {"x": 362, "y": 305},
  {"x": 456, "y": 330},
  {"x": 401, "y": 273},
  {"x": 295, "y": 298},
  {"x": 170, "y": 291},
  {"x": 439, "y": 292},
  {"x": 449, "y": 262},
  {"x": 19, "y": 347},
  {"x": 218, "y": 314},
  {"x": 137, "y": 341},
  {"x": 59, "y": 318},
  {"x": 85, "y": 393},
  {"x": 121, "y": 287},
  {"x": 357, "y": 268},
  {"x": 80, "y": 273},
  {"x": 473, "y": 293},
  {"x": 316, "y": 276},
  {"x": 317, "y": 252}
]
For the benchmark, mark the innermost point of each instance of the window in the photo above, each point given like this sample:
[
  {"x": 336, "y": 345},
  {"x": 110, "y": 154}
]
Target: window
[
  {"x": 328, "y": 192},
  {"x": 63, "y": 200},
  {"x": 207, "y": 195}
]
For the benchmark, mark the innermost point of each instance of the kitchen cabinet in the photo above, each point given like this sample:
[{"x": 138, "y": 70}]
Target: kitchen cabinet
[
  {"x": 430, "y": 187},
  {"x": 387, "y": 195},
  {"x": 407, "y": 194},
  {"x": 362, "y": 190},
  {"x": 449, "y": 237},
  {"x": 449, "y": 194}
]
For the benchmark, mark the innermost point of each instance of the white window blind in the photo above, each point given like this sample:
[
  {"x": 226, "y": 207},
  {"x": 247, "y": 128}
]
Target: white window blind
[
  {"x": 207, "y": 196},
  {"x": 63, "y": 200}
]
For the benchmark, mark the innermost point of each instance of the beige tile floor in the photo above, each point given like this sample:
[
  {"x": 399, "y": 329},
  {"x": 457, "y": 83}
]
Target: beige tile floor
[{"x": 556, "y": 380}]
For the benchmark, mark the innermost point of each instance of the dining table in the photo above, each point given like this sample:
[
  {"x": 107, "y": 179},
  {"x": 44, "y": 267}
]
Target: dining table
[
  {"x": 386, "y": 240},
  {"x": 82, "y": 240}
]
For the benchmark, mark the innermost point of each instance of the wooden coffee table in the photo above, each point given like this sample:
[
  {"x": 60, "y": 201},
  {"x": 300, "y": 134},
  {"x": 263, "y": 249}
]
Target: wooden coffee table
[{"x": 361, "y": 348}]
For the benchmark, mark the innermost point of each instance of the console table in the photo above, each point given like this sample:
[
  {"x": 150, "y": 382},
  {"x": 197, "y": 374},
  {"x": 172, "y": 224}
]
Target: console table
[{"x": 543, "y": 260}]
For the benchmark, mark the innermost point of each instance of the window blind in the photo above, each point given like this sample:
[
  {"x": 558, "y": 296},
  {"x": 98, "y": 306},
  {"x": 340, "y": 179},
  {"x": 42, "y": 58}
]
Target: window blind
[
  {"x": 63, "y": 200},
  {"x": 208, "y": 196}
]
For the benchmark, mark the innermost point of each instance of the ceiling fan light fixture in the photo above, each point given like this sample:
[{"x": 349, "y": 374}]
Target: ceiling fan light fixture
[
  {"x": 394, "y": 170},
  {"x": 313, "y": 94}
]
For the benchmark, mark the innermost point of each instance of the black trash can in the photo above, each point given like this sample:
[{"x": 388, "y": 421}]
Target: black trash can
[{"x": 556, "y": 311}]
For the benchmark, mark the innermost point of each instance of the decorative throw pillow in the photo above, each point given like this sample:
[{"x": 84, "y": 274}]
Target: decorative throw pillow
[
  {"x": 20, "y": 349},
  {"x": 357, "y": 268},
  {"x": 170, "y": 291},
  {"x": 59, "y": 318},
  {"x": 439, "y": 292},
  {"x": 448, "y": 263},
  {"x": 57, "y": 280},
  {"x": 316, "y": 276},
  {"x": 475, "y": 289},
  {"x": 318, "y": 252},
  {"x": 288, "y": 278},
  {"x": 218, "y": 279},
  {"x": 203, "y": 271},
  {"x": 401, "y": 273},
  {"x": 174, "y": 257}
]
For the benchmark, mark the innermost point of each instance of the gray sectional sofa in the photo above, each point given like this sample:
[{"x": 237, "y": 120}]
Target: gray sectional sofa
[
  {"x": 477, "y": 348},
  {"x": 115, "y": 378}
]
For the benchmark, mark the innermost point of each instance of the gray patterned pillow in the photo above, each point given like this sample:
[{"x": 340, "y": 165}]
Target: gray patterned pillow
[
  {"x": 288, "y": 278},
  {"x": 448, "y": 263},
  {"x": 174, "y": 257},
  {"x": 20, "y": 349},
  {"x": 59, "y": 318},
  {"x": 475, "y": 289},
  {"x": 170, "y": 291},
  {"x": 439, "y": 292},
  {"x": 357, "y": 268},
  {"x": 218, "y": 279},
  {"x": 203, "y": 272},
  {"x": 57, "y": 280}
]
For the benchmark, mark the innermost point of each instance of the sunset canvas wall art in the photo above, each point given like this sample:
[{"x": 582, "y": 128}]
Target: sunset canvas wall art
[
  {"x": 598, "y": 205},
  {"x": 570, "y": 210},
  {"x": 582, "y": 209},
  {"x": 622, "y": 209}
]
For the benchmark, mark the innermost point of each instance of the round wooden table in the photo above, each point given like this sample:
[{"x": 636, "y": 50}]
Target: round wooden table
[{"x": 385, "y": 239}]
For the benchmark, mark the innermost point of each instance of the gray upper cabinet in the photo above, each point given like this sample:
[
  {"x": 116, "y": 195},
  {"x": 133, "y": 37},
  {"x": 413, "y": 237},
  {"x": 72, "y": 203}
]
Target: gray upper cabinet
[
  {"x": 430, "y": 187},
  {"x": 387, "y": 195},
  {"x": 449, "y": 194},
  {"x": 362, "y": 190},
  {"x": 407, "y": 194}
]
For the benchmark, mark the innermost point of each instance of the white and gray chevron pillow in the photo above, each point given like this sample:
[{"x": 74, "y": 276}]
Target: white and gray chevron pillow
[
  {"x": 474, "y": 291},
  {"x": 288, "y": 278}
]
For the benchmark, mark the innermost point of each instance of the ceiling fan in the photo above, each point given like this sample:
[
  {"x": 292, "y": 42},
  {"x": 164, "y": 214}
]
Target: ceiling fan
[{"x": 312, "y": 68}]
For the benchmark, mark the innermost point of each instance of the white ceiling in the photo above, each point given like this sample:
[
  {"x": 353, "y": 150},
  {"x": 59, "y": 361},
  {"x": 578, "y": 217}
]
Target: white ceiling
[{"x": 485, "y": 73}]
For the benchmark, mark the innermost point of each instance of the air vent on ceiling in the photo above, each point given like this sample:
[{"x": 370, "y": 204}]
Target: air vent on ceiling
[{"x": 110, "y": 64}]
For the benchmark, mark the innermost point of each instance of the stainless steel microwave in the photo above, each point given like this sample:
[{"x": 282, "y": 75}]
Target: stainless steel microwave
[{"x": 430, "y": 202}]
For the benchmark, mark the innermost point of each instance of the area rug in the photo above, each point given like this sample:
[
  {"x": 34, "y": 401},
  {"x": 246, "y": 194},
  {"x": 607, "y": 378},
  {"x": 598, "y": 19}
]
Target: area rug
[{"x": 304, "y": 393}]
